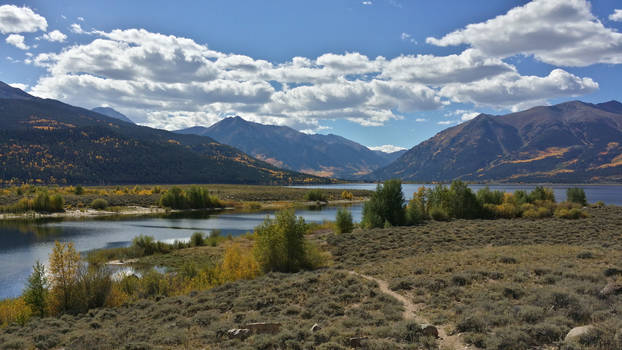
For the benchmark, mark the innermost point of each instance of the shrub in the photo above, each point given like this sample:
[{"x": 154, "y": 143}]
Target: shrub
[
  {"x": 344, "y": 221},
  {"x": 439, "y": 214},
  {"x": 280, "y": 243},
  {"x": 64, "y": 265},
  {"x": 464, "y": 203},
  {"x": 94, "y": 284},
  {"x": 486, "y": 196},
  {"x": 415, "y": 211},
  {"x": 197, "y": 239},
  {"x": 576, "y": 195},
  {"x": 99, "y": 204},
  {"x": 35, "y": 294},
  {"x": 385, "y": 205},
  {"x": 79, "y": 190},
  {"x": 541, "y": 193},
  {"x": 573, "y": 213},
  {"x": 239, "y": 264},
  {"x": 347, "y": 195},
  {"x": 315, "y": 196},
  {"x": 174, "y": 198},
  {"x": 14, "y": 311}
]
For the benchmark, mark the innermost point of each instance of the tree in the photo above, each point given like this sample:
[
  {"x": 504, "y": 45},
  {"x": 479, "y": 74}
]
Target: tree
[
  {"x": 344, "y": 221},
  {"x": 64, "y": 266},
  {"x": 386, "y": 206},
  {"x": 576, "y": 195},
  {"x": 238, "y": 264},
  {"x": 35, "y": 294},
  {"x": 280, "y": 243},
  {"x": 464, "y": 203}
]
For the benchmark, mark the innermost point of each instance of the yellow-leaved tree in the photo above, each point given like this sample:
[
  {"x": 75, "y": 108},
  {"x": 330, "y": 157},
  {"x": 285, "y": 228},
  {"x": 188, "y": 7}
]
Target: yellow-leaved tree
[
  {"x": 64, "y": 267},
  {"x": 239, "y": 263}
]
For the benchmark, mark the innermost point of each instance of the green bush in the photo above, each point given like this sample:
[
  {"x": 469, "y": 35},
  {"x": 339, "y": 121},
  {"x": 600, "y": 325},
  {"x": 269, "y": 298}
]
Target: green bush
[
  {"x": 576, "y": 195},
  {"x": 197, "y": 239},
  {"x": 486, "y": 196},
  {"x": 415, "y": 211},
  {"x": 174, "y": 198},
  {"x": 99, "y": 204},
  {"x": 194, "y": 198},
  {"x": 316, "y": 196},
  {"x": 542, "y": 194},
  {"x": 464, "y": 203},
  {"x": 386, "y": 205},
  {"x": 439, "y": 214},
  {"x": 572, "y": 214},
  {"x": 280, "y": 243},
  {"x": 343, "y": 221},
  {"x": 79, "y": 190}
]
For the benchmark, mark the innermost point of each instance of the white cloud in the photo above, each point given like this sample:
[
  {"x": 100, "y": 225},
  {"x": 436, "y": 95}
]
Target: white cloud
[
  {"x": 76, "y": 28},
  {"x": 173, "y": 82},
  {"x": 519, "y": 91},
  {"x": 421, "y": 120},
  {"x": 408, "y": 37},
  {"x": 17, "y": 41},
  {"x": 19, "y": 86},
  {"x": 15, "y": 19},
  {"x": 366, "y": 3},
  {"x": 387, "y": 148},
  {"x": 55, "y": 35},
  {"x": 559, "y": 32},
  {"x": 616, "y": 15},
  {"x": 81, "y": 19},
  {"x": 446, "y": 122},
  {"x": 468, "y": 116}
]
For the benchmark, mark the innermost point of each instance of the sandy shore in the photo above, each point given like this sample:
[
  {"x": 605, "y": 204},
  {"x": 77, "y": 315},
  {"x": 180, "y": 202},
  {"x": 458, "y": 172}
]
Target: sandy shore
[{"x": 84, "y": 213}]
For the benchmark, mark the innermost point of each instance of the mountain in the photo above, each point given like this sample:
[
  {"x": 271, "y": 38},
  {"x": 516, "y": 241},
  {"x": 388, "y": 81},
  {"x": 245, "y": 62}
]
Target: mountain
[
  {"x": 47, "y": 141},
  {"x": 109, "y": 112},
  {"x": 568, "y": 142},
  {"x": 322, "y": 155}
]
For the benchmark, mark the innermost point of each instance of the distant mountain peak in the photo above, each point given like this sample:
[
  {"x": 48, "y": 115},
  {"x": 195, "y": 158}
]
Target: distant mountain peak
[
  {"x": 112, "y": 113},
  {"x": 9, "y": 92}
]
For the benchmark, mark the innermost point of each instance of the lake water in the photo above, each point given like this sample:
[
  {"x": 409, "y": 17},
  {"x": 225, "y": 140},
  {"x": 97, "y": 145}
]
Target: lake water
[
  {"x": 609, "y": 194},
  {"x": 22, "y": 243}
]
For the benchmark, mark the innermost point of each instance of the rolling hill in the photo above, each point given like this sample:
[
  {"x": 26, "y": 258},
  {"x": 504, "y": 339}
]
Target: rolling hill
[
  {"x": 47, "y": 141},
  {"x": 568, "y": 142},
  {"x": 322, "y": 155}
]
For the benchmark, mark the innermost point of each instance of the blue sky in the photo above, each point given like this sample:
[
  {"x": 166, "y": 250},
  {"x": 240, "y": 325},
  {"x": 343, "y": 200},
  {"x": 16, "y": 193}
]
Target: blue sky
[{"x": 380, "y": 72}]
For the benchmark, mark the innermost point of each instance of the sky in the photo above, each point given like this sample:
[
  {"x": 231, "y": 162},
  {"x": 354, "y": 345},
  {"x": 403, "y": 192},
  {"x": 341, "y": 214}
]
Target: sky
[{"x": 388, "y": 74}]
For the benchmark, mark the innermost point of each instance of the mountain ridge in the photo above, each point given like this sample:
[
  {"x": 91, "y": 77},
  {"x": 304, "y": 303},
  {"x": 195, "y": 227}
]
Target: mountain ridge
[
  {"x": 112, "y": 113},
  {"x": 570, "y": 142},
  {"x": 323, "y": 155}
]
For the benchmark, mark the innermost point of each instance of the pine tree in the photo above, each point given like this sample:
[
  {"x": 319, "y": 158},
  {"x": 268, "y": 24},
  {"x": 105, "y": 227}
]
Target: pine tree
[{"x": 35, "y": 294}]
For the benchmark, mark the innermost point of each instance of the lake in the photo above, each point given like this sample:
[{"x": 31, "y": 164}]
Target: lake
[
  {"x": 22, "y": 243},
  {"x": 609, "y": 194}
]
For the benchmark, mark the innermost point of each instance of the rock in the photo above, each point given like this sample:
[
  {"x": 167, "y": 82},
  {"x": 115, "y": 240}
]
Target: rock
[
  {"x": 576, "y": 332},
  {"x": 240, "y": 333},
  {"x": 356, "y": 342},
  {"x": 611, "y": 288},
  {"x": 428, "y": 330},
  {"x": 263, "y": 327},
  {"x": 316, "y": 327}
]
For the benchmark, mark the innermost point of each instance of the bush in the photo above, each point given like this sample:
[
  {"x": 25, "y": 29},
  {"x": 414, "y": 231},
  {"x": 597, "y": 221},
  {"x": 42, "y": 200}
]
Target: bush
[
  {"x": 439, "y": 214},
  {"x": 572, "y": 214},
  {"x": 99, "y": 204},
  {"x": 174, "y": 198},
  {"x": 464, "y": 203},
  {"x": 486, "y": 196},
  {"x": 386, "y": 205},
  {"x": 347, "y": 195},
  {"x": 415, "y": 211},
  {"x": 239, "y": 264},
  {"x": 194, "y": 198},
  {"x": 343, "y": 221},
  {"x": 316, "y": 196},
  {"x": 576, "y": 195},
  {"x": 542, "y": 194},
  {"x": 197, "y": 239},
  {"x": 280, "y": 243},
  {"x": 79, "y": 190}
]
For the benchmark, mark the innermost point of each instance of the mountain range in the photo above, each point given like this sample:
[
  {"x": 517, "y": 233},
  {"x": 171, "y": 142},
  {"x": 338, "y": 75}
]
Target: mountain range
[
  {"x": 322, "y": 155},
  {"x": 110, "y": 112},
  {"x": 47, "y": 141},
  {"x": 569, "y": 142}
]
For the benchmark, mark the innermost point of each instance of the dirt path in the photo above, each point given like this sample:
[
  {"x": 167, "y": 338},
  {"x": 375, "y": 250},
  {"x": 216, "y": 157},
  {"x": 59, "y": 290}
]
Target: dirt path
[{"x": 411, "y": 310}]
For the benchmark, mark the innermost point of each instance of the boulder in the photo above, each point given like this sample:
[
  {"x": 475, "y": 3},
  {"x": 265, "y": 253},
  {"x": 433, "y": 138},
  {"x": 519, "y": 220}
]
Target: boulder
[
  {"x": 576, "y": 332},
  {"x": 240, "y": 333},
  {"x": 428, "y": 330},
  {"x": 316, "y": 327}
]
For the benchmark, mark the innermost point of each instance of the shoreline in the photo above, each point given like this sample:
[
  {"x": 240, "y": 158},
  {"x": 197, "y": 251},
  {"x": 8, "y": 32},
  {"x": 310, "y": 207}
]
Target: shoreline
[{"x": 140, "y": 211}]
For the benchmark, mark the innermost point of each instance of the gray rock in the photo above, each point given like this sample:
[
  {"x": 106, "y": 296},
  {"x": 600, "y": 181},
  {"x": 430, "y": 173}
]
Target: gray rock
[
  {"x": 576, "y": 332},
  {"x": 611, "y": 288},
  {"x": 240, "y": 333},
  {"x": 316, "y": 327}
]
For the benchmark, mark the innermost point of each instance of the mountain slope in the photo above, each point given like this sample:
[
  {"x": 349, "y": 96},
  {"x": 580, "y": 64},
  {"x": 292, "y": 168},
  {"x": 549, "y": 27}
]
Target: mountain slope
[
  {"x": 109, "y": 112},
  {"x": 569, "y": 142},
  {"x": 47, "y": 141},
  {"x": 324, "y": 155}
]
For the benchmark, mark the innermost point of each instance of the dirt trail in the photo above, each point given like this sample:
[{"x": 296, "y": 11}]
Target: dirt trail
[{"x": 446, "y": 342}]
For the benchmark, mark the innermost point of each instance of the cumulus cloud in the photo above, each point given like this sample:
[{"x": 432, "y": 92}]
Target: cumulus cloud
[
  {"x": 173, "y": 82},
  {"x": 408, "y": 37},
  {"x": 558, "y": 32},
  {"x": 17, "y": 41},
  {"x": 616, "y": 15},
  {"x": 387, "y": 148},
  {"x": 76, "y": 28},
  {"x": 55, "y": 35},
  {"x": 468, "y": 116},
  {"x": 519, "y": 91},
  {"x": 15, "y": 19}
]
